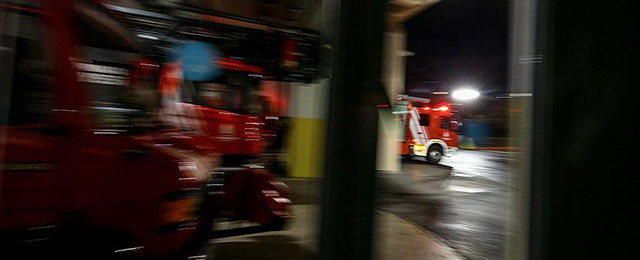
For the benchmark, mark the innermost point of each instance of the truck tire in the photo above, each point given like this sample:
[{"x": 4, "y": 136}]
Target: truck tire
[{"x": 434, "y": 154}]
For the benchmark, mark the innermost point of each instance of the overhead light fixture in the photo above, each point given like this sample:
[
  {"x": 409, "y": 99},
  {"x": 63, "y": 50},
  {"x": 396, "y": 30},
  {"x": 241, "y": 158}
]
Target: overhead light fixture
[{"x": 465, "y": 94}]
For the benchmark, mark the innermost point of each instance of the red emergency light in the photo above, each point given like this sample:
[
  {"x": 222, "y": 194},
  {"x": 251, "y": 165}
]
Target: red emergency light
[{"x": 442, "y": 108}]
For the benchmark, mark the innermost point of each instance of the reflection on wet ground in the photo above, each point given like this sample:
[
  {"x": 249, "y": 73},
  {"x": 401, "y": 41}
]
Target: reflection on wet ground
[{"x": 463, "y": 200}]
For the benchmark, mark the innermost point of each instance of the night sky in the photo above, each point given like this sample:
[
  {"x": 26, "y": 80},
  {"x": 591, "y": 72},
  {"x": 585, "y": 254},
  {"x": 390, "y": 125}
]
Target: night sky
[{"x": 458, "y": 42}]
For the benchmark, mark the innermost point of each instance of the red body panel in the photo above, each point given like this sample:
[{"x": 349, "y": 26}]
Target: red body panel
[{"x": 229, "y": 133}]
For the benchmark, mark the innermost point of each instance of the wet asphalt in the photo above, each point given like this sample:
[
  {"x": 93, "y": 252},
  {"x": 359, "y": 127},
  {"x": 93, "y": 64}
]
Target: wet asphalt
[{"x": 462, "y": 200}]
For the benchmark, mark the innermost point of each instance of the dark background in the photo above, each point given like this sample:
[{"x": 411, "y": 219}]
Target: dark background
[
  {"x": 458, "y": 42},
  {"x": 463, "y": 43},
  {"x": 585, "y": 202}
]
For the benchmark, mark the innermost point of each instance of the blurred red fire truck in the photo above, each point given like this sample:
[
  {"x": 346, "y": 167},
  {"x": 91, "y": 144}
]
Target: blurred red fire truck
[
  {"x": 85, "y": 166},
  {"x": 429, "y": 128}
]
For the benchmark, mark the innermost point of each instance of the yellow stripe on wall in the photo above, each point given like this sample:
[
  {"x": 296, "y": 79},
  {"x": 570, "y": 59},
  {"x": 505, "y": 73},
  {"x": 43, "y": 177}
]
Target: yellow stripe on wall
[{"x": 305, "y": 147}]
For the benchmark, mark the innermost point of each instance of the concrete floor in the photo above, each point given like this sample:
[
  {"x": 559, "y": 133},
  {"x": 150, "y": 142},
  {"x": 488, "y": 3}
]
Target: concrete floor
[
  {"x": 456, "y": 210},
  {"x": 463, "y": 200},
  {"x": 396, "y": 239}
]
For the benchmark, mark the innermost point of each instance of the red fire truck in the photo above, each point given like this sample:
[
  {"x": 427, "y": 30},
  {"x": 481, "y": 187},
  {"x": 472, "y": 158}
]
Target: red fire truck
[
  {"x": 227, "y": 110},
  {"x": 231, "y": 118},
  {"x": 84, "y": 169},
  {"x": 429, "y": 128}
]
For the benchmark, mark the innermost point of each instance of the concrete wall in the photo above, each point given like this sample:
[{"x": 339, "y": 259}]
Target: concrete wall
[
  {"x": 306, "y": 139},
  {"x": 307, "y": 112}
]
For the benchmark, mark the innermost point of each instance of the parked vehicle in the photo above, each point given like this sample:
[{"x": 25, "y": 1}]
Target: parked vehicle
[
  {"x": 230, "y": 115},
  {"x": 429, "y": 129},
  {"x": 205, "y": 91}
]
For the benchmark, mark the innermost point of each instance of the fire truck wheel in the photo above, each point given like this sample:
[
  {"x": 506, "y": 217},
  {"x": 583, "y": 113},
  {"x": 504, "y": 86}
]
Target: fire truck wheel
[{"x": 434, "y": 154}]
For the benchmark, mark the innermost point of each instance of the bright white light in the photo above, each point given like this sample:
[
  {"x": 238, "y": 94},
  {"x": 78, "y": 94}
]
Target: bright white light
[
  {"x": 465, "y": 94},
  {"x": 146, "y": 36}
]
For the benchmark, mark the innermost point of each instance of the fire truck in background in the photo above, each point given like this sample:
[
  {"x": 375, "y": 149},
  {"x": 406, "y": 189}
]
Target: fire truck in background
[{"x": 429, "y": 128}]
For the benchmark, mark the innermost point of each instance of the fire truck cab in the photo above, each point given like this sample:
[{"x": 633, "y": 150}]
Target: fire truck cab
[
  {"x": 429, "y": 128},
  {"x": 81, "y": 173}
]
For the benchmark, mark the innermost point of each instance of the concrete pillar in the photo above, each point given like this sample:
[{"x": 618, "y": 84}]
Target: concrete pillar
[
  {"x": 307, "y": 125},
  {"x": 521, "y": 80},
  {"x": 393, "y": 78}
]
